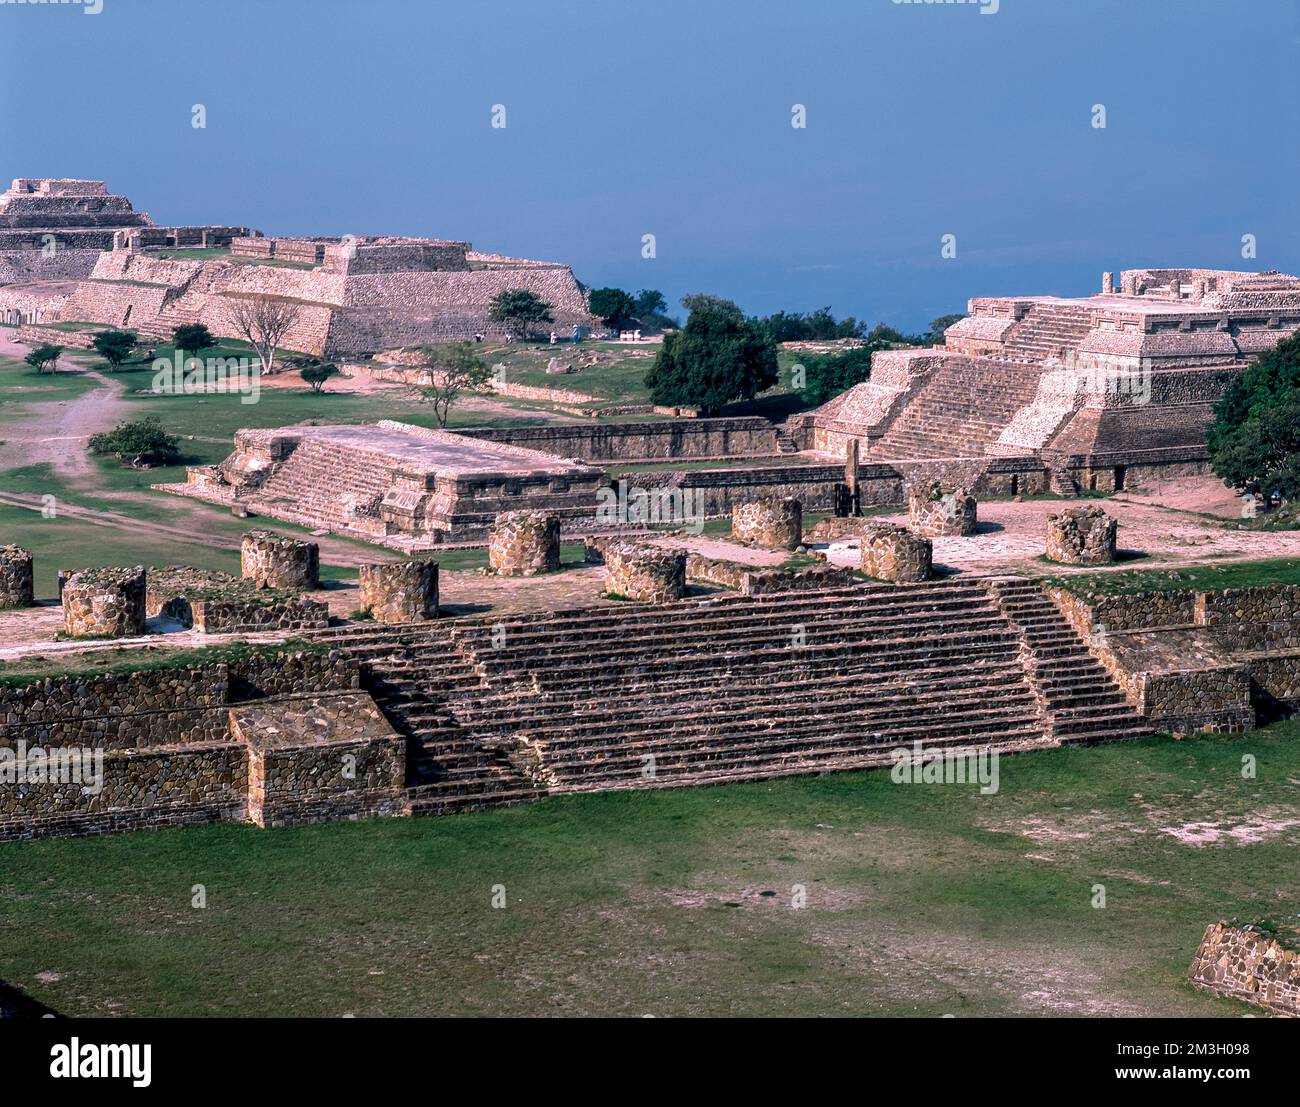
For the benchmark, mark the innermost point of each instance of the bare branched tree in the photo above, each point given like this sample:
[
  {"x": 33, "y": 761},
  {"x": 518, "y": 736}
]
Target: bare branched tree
[
  {"x": 449, "y": 370},
  {"x": 263, "y": 321}
]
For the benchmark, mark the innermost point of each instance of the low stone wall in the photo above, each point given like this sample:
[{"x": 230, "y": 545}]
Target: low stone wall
[
  {"x": 273, "y": 561},
  {"x": 1266, "y": 617},
  {"x": 524, "y": 543},
  {"x": 773, "y": 524},
  {"x": 750, "y": 581},
  {"x": 650, "y": 574},
  {"x": 217, "y": 603},
  {"x": 104, "y": 603},
  {"x": 936, "y": 511},
  {"x": 1081, "y": 536},
  {"x": 400, "y": 591},
  {"x": 144, "y": 749},
  {"x": 1247, "y": 963},
  {"x": 16, "y": 589},
  {"x": 891, "y": 552},
  {"x": 691, "y": 439}
]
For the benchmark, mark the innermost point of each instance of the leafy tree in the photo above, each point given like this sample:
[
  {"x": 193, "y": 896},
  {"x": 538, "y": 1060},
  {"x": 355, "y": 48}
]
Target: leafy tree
[
  {"x": 718, "y": 357},
  {"x": 612, "y": 306},
  {"x": 143, "y": 442},
  {"x": 316, "y": 373},
  {"x": 193, "y": 337},
  {"x": 519, "y": 310},
  {"x": 940, "y": 325},
  {"x": 827, "y": 375},
  {"x": 1255, "y": 437},
  {"x": 44, "y": 358},
  {"x": 450, "y": 369},
  {"x": 650, "y": 303},
  {"x": 114, "y": 346}
]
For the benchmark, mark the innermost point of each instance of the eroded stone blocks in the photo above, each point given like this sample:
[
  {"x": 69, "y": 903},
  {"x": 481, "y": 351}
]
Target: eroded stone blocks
[
  {"x": 938, "y": 510},
  {"x": 273, "y": 561},
  {"x": 15, "y": 577},
  {"x": 775, "y": 524},
  {"x": 1081, "y": 536},
  {"x": 524, "y": 543},
  {"x": 400, "y": 591},
  {"x": 651, "y": 574},
  {"x": 891, "y": 552},
  {"x": 104, "y": 603}
]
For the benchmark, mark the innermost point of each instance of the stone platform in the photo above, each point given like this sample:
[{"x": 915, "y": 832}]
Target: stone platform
[{"x": 395, "y": 484}]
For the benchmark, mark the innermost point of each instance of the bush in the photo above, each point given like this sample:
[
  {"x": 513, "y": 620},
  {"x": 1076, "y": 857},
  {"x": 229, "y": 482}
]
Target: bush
[
  {"x": 1255, "y": 437},
  {"x": 114, "y": 346},
  {"x": 44, "y": 358},
  {"x": 143, "y": 442}
]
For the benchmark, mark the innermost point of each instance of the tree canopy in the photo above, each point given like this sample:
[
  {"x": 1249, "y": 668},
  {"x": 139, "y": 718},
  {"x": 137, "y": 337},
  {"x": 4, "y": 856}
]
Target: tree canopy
[
  {"x": 1255, "y": 437},
  {"x": 519, "y": 310},
  {"x": 44, "y": 358},
  {"x": 612, "y": 306},
  {"x": 143, "y": 442},
  {"x": 718, "y": 357},
  {"x": 114, "y": 346}
]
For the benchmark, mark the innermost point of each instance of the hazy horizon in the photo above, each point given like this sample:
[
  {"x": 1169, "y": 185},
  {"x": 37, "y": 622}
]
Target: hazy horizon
[{"x": 922, "y": 121}]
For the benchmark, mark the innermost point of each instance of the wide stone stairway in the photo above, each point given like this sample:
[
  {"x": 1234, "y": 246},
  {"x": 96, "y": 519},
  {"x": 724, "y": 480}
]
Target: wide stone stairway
[
  {"x": 328, "y": 485},
  {"x": 729, "y": 689},
  {"x": 1048, "y": 331},
  {"x": 959, "y": 411}
]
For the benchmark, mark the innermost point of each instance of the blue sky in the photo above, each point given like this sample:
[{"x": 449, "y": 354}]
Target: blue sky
[{"x": 673, "y": 119}]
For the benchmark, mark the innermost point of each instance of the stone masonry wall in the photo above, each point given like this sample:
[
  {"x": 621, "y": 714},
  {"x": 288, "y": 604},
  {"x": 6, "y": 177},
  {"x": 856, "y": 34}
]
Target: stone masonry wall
[
  {"x": 1247, "y": 963},
  {"x": 649, "y": 574},
  {"x": 891, "y": 552},
  {"x": 400, "y": 591},
  {"x": 104, "y": 603},
  {"x": 774, "y": 524},
  {"x": 272, "y": 561},
  {"x": 15, "y": 577},
  {"x": 524, "y": 543}
]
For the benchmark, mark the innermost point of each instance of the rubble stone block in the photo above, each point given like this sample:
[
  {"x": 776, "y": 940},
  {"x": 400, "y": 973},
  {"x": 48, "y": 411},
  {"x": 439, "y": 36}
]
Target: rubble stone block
[
  {"x": 938, "y": 510},
  {"x": 104, "y": 603},
  {"x": 891, "y": 552},
  {"x": 400, "y": 591},
  {"x": 1081, "y": 536},
  {"x": 775, "y": 524},
  {"x": 524, "y": 543},
  {"x": 651, "y": 574},
  {"x": 273, "y": 561},
  {"x": 16, "y": 589}
]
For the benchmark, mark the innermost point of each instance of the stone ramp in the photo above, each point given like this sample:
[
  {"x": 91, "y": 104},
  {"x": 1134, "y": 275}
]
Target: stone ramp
[{"x": 733, "y": 688}]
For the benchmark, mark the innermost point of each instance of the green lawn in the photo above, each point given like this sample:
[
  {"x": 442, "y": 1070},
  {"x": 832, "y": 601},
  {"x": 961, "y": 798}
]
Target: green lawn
[
  {"x": 920, "y": 900},
  {"x": 1235, "y": 574}
]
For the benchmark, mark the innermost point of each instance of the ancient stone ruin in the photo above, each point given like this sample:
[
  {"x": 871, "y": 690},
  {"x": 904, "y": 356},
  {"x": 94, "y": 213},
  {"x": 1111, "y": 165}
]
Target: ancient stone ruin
[
  {"x": 104, "y": 603},
  {"x": 891, "y": 552},
  {"x": 524, "y": 543},
  {"x": 774, "y": 524},
  {"x": 1081, "y": 536},
  {"x": 938, "y": 510},
  {"x": 271, "y": 560},
  {"x": 400, "y": 591},
  {"x": 217, "y": 603},
  {"x": 15, "y": 577},
  {"x": 650, "y": 574},
  {"x": 1252, "y": 963}
]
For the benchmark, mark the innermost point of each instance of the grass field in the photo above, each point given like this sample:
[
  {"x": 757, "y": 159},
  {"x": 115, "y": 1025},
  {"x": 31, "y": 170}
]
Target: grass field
[
  {"x": 920, "y": 900},
  {"x": 1239, "y": 574}
]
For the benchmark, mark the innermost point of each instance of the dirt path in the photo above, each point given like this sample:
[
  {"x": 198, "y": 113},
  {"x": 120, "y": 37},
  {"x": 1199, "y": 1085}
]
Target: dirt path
[{"x": 55, "y": 432}]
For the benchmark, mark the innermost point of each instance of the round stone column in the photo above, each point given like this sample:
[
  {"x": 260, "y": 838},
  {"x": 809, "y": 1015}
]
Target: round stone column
[
  {"x": 1081, "y": 536},
  {"x": 524, "y": 543},
  {"x": 400, "y": 591},
  {"x": 16, "y": 588},
  {"x": 104, "y": 603},
  {"x": 891, "y": 552},
  {"x": 273, "y": 561},
  {"x": 650, "y": 574},
  {"x": 941, "y": 511},
  {"x": 774, "y": 524}
]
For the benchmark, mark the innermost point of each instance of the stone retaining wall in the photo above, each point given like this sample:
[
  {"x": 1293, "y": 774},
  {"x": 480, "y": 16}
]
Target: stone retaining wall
[
  {"x": 750, "y": 581},
  {"x": 1247, "y": 963},
  {"x": 692, "y": 439}
]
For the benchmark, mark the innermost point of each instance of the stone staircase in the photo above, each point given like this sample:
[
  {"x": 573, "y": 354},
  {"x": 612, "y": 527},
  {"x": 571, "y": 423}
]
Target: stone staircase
[
  {"x": 328, "y": 486},
  {"x": 959, "y": 411},
  {"x": 785, "y": 443},
  {"x": 1083, "y": 703},
  {"x": 1047, "y": 331},
  {"x": 731, "y": 688}
]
